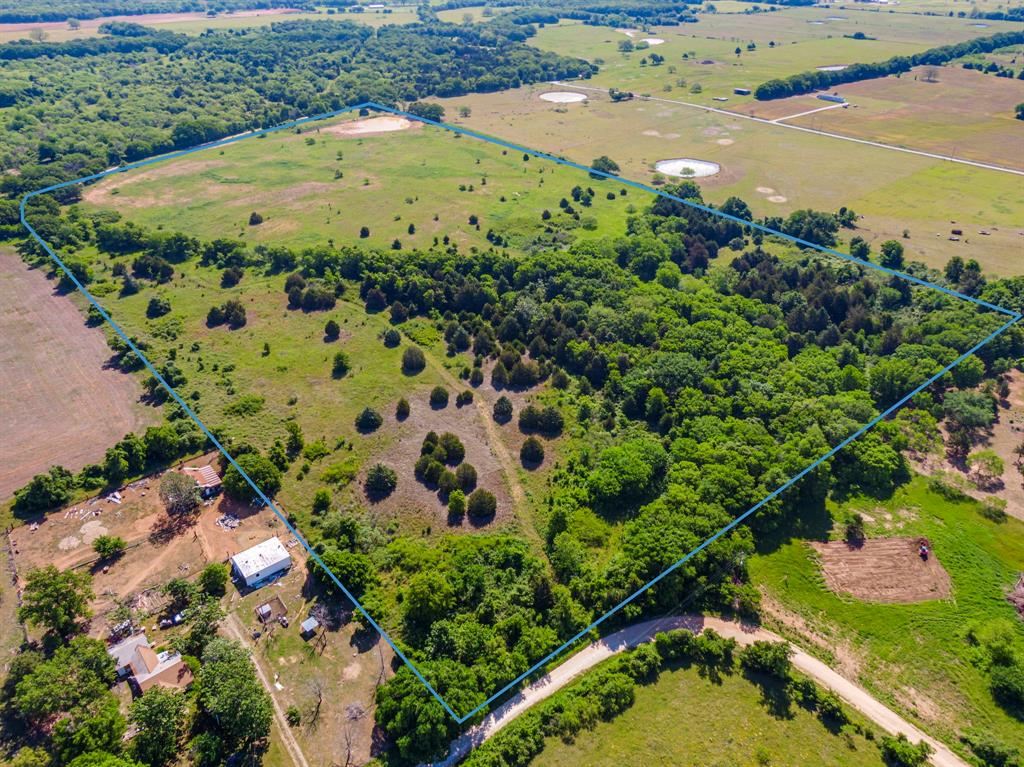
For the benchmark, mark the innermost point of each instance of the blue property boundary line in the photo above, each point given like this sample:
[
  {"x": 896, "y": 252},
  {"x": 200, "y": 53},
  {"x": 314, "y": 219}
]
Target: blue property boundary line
[{"x": 1013, "y": 316}]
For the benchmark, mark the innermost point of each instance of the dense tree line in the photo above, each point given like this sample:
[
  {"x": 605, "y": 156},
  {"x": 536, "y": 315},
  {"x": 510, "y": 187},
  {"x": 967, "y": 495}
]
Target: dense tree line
[
  {"x": 158, "y": 91},
  {"x": 806, "y": 82},
  {"x": 701, "y": 387},
  {"x": 592, "y": 12}
]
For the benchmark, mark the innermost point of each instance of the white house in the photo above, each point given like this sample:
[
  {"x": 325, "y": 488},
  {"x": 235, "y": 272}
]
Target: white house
[{"x": 262, "y": 562}]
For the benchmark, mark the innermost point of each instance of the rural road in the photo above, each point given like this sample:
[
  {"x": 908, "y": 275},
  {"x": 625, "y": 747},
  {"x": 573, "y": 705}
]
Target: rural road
[
  {"x": 777, "y": 123},
  {"x": 234, "y": 627},
  {"x": 628, "y": 638}
]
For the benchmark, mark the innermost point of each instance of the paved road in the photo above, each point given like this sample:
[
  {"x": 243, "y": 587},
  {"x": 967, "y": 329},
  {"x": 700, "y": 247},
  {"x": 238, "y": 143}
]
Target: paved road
[
  {"x": 763, "y": 121},
  {"x": 854, "y": 695}
]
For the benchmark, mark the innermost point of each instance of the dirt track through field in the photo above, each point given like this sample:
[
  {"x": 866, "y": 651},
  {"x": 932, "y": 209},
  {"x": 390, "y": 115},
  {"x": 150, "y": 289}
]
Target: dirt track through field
[
  {"x": 234, "y": 627},
  {"x": 866, "y": 142},
  {"x": 498, "y": 447},
  {"x": 640, "y": 633},
  {"x": 60, "y": 405}
]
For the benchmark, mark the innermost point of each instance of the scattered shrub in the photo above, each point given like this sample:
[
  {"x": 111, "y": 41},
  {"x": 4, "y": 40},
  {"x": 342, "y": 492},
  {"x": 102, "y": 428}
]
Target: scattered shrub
[
  {"x": 503, "y": 410},
  {"x": 439, "y": 397},
  {"x": 413, "y": 360},
  {"x": 369, "y": 420},
  {"x": 532, "y": 452},
  {"x": 481, "y": 504},
  {"x": 381, "y": 481}
]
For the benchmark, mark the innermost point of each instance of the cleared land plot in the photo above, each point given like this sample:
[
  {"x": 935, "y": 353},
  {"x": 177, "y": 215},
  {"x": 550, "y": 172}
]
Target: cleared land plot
[
  {"x": 883, "y": 570},
  {"x": 188, "y": 23},
  {"x": 159, "y": 548},
  {"x": 912, "y": 656},
  {"x": 383, "y": 173},
  {"x": 965, "y": 114},
  {"x": 61, "y": 404},
  {"x": 893, "y": 190},
  {"x": 685, "y": 718}
]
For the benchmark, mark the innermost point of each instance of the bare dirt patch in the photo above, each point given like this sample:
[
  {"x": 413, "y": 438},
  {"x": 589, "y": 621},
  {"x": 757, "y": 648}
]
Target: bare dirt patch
[
  {"x": 101, "y": 193},
  {"x": 61, "y": 404},
  {"x": 883, "y": 570},
  {"x": 146, "y": 18},
  {"x": 157, "y": 548},
  {"x": 372, "y": 126},
  {"x": 414, "y": 499},
  {"x": 1005, "y": 435}
]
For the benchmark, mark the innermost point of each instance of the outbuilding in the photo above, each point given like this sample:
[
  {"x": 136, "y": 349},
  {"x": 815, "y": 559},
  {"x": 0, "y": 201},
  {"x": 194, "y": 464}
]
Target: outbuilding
[
  {"x": 262, "y": 563},
  {"x": 206, "y": 477}
]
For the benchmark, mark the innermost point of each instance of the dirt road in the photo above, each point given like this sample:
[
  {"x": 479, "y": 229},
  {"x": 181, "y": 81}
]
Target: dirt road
[
  {"x": 763, "y": 121},
  {"x": 234, "y": 627},
  {"x": 628, "y": 638}
]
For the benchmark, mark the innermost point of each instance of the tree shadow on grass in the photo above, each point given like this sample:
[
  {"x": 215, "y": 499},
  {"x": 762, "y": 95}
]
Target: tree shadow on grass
[{"x": 775, "y": 696}]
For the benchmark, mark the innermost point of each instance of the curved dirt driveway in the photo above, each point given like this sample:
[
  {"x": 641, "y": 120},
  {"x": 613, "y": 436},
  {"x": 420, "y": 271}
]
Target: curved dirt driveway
[{"x": 854, "y": 695}]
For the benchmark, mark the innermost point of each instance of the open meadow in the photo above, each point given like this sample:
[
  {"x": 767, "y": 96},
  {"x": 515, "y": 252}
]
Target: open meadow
[
  {"x": 332, "y": 180},
  {"x": 687, "y": 717},
  {"x": 785, "y": 43},
  {"x": 946, "y": 110},
  {"x": 775, "y": 170}
]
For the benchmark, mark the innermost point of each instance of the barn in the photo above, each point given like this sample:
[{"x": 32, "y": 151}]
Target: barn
[{"x": 262, "y": 563}]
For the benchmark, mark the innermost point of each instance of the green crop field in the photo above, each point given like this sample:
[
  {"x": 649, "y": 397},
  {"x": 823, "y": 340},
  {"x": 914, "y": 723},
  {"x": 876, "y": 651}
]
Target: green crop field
[
  {"x": 916, "y": 657},
  {"x": 686, "y": 718},
  {"x": 427, "y": 178}
]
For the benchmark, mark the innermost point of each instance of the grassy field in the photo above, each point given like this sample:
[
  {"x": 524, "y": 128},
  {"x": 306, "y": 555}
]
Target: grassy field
[
  {"x": 940, "y": 7},
  {"x": 424, "y": 177},
  {"x": 915, "y": 657},
  {"x": 963, "y": 114},
  {"x": 687, "y": 719},
  {"x": 776, "y": 170},
  {"x": 803, "y": 39},
  {"x": 475, "y": 12}
]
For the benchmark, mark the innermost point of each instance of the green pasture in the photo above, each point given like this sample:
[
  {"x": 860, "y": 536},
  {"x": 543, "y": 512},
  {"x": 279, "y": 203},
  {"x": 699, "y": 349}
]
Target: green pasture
[
  {"x": 431, "y": 179},
  {"x": 475, "y": 12},
  {"x": 292, "y": 378},
  {"x": 915, "y": 657},
  {"x": 894, "y": 190},
  {"x": 803, "y": 40},
  {"x": 686, "y": 718}
]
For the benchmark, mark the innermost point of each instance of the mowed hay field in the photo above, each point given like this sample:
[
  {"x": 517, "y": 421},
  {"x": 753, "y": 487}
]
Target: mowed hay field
[
  {"x": 61, "y": 404},
  {"x": 685, "y": 718},
  {"x": 914, "y": 656},
  {"x": 776, "y": 170},
  {"x": 803, "y": 39},
  {"x": 964, "y": 114},
  {"x": 394, "y": 173}
]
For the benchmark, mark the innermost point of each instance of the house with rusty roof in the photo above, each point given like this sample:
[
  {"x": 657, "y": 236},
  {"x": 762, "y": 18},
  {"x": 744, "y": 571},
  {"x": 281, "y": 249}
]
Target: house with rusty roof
[
  {"x": 143, "y": 667},
  {"x": 206, "y": 477}
]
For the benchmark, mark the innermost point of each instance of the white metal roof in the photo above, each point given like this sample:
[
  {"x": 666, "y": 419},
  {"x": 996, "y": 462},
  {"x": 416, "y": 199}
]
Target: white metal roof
[{"x": 260, "y": 557}]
